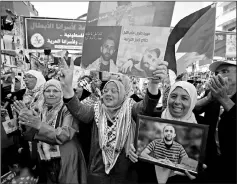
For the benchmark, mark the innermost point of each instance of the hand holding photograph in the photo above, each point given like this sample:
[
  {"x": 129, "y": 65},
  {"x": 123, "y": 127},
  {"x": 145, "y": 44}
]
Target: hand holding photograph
[
  {"x": 141, "y": 49},
  {"x": 175, "y": 145}
]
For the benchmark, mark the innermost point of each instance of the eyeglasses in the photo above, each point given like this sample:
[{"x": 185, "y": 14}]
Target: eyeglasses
[{"x": 113, "y": 90}]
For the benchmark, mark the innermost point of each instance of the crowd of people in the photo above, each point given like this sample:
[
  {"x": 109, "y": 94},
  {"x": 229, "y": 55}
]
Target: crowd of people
[{"x": 54, "y": 132}]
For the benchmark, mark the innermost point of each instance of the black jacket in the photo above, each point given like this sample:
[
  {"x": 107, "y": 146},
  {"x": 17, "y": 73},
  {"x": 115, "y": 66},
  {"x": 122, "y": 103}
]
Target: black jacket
[{"x": 220, "y": 168}]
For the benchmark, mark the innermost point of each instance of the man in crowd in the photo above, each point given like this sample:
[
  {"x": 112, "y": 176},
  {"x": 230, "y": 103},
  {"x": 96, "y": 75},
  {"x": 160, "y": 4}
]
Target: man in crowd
[
  {"x": 165, "y": 150},
  {"x": 220, "y": 114},
  {"x": 105, "y": 61},
  {"x": 145, "y": 66}
]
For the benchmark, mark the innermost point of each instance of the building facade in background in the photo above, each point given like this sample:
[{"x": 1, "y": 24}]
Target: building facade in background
[
  {"x": 14, "y": 40},
  {"x": 226, "y": 21},
  {"x": 20, "y": 8}
]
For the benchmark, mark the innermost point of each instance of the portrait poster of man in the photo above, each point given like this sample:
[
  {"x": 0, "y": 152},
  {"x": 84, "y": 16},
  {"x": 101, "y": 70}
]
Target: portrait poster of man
[
  {"x": 171, "y": 144},
  {"x": 231, "y": 45},
  {"x": 141, "y": 49},
  {"x": 129, "y": 13},
  {"x": 100, "y": 48}
]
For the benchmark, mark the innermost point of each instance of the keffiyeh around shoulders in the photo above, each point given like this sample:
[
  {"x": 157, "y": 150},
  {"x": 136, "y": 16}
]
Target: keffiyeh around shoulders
[{"x": 116, "y": 136}]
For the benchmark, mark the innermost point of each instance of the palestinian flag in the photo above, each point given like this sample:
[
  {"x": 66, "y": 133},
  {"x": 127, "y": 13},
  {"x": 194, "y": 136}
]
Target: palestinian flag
[{"x": 197, "y": 32}]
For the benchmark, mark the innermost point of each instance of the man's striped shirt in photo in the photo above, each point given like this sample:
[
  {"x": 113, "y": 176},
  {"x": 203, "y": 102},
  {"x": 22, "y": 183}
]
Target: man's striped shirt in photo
[{"x": 159, "y": 150}]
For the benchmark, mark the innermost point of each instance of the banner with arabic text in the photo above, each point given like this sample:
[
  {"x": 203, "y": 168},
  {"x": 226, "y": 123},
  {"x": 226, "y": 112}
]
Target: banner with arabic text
[
  {"x": 130, "y": 50},
  {"x": 56, "y": 34}
]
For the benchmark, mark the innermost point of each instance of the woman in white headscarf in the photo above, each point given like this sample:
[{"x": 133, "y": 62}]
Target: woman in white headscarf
[
  {"x": 56, "y": 130},
  {"x": 113, "y": 119},
  {"x": 29, "y": 96},
  {"x": 181, "y": 101},
  {"x": 34, "y": 81}
]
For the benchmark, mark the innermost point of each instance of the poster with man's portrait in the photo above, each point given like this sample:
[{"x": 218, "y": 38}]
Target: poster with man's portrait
[
  {"x": 141, "y": 49},
  {"x": 100, "y": 48},
  {"x": 174, "y": 145},
  {"x": 231, "y": 45},
  {"x": 129, "y": 13}
]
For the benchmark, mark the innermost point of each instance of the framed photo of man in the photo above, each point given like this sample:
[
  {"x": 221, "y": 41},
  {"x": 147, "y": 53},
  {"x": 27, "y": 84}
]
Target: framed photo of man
[{"x": 175, "y": 145}]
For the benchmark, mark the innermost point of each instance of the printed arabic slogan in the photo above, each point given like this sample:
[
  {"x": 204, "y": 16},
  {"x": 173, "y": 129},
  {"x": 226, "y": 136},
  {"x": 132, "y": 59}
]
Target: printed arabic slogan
[
  {"x": 100, "y": 48},
  {"x": 140, "y": 49},
  {"x": 54, "y": 33}
]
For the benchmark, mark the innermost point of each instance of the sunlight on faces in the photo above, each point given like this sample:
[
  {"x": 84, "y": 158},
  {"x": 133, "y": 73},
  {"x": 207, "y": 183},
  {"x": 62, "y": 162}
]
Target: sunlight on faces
[
  {"x": 110, "y": 95},
  {"x": 169, "y": 133},
  {"x": 107, "y": 49},
  {"x": 30, "y": 81},
  {"x": 179, "y": 102},
  {"x": 228, "y": 71},
  {"x": 52, "y": 95}
]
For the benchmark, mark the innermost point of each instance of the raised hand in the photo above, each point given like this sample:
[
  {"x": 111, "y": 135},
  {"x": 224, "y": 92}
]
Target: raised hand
[
  {"x": 158, "y": 76},
  {"x": 66, "y": 78},
  {"x": 30, "y": 118},
  {"x": 18, "y": 106},
  {"x": 219, "y": 87},
  {"x": 160, "y": 72}
]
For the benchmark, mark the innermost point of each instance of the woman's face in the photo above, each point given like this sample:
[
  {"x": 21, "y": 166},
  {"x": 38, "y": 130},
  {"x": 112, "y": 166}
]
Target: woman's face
[
  {"x": 79, "y": 91},
  {"x": 97, "y": 83},
  {"x": 17, "y": 85},
  {"x": 179, "y": 102},
  {"x": 52, "y": 95},
  {"x": 110, "y": 95},
  {"x": 30, "y": 81}
]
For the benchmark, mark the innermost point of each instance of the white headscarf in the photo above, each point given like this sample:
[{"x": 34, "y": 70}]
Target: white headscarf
[
  {"x": 191, "y": 90},
  {"x": 31, "y": 96},
  {"x": 40, "y": 78},
  {"x": 122, "y": 132},
  {"x": 49, "y": 116}
]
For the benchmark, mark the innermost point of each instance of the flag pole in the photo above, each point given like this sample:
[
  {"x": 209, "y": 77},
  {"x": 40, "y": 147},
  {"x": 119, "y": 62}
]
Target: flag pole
[{"x": 214, "y": 37}]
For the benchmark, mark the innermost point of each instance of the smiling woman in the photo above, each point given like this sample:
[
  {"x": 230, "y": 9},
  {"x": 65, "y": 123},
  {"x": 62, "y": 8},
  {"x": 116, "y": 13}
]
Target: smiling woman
[
  {"x": 52, "y": 95},
  {"x": 34, "y": 81},
  {"x": 113, "y": 94},
  {"x": 181, "y": 102},
  {"x": 55, "y": 131}
]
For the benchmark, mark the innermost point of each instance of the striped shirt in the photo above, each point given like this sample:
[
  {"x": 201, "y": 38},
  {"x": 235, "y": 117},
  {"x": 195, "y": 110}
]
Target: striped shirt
[{"x": 159, "y": 151}]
